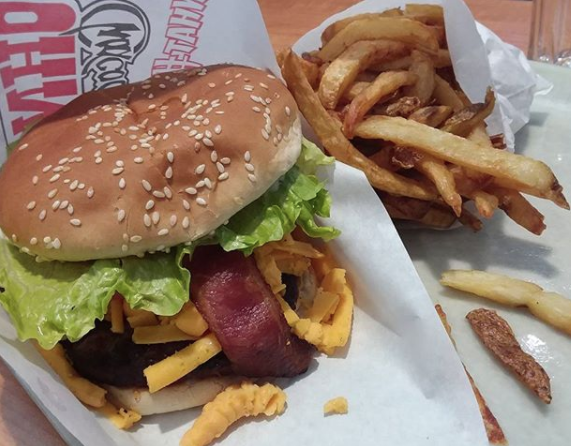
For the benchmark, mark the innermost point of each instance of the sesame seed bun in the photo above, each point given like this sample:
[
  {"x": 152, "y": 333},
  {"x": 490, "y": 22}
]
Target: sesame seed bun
[{"x": 143, "y": 167}]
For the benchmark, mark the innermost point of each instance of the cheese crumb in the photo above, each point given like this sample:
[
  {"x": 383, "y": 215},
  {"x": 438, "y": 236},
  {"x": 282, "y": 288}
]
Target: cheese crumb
[{"x": 337, "y": 405}]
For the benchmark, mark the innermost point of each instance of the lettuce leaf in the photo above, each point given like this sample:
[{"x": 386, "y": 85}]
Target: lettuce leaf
[{"x": 51, "y": 301}]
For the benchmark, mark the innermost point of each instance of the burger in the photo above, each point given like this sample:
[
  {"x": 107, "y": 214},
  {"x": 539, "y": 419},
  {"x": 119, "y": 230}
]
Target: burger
[{"x": 160, "y": 239}]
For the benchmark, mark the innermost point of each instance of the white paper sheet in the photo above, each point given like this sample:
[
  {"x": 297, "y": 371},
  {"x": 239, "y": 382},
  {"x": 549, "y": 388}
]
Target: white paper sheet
[
  {"x": 476, "y": 65},
  {"x": 403, "y": 380}
]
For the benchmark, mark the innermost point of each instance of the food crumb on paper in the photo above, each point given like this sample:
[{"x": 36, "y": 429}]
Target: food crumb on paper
[{"x": 336, "y": 406}]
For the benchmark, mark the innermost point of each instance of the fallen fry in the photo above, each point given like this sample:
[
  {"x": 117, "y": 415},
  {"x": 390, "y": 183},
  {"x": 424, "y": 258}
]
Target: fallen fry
[
  {"x": 332, "y": 138},
  {"x": 384, "y": 85},
  {"x": 343, "y": 71},
  {"x": 534, "y": 174},
  {"x": 549, "y": 307},
  {"x": 493, "y": 429},
  {"x": 400, "y": 29},
  {"x": 519, "y": 209},
  {"x": 498, "y": 337}
]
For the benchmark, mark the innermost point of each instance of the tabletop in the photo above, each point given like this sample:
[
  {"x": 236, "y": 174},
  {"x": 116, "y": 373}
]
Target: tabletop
[{"x": 21, "y": 422}]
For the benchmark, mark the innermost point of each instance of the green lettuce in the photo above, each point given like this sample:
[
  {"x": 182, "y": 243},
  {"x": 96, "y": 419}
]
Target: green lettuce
[{"x": 51, "y": 301}]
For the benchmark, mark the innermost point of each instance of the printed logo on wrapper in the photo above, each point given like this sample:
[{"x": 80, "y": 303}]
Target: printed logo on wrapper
[{"x": 52, "y": 51}]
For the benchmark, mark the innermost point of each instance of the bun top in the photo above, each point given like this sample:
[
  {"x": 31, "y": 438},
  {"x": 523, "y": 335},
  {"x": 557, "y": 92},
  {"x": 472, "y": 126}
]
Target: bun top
[{"x": 143, "y": 167}]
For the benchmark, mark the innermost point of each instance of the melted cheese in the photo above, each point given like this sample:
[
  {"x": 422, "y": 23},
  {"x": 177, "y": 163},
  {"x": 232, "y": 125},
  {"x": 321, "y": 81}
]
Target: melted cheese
[
  {"x": 117, "y": 320},
  {"x": 84, "y": 390},
  {"x": 191, "y": 321},
  {"x": 171, "y": 369},
  {"x": 337, "y": 405},
  {"x": 237, "y": 401},
  {"x": 121, "y": 418}
]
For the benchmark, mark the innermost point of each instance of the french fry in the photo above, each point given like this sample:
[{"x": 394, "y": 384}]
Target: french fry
[
  {"x": 354, "y": 90},
  {"x": 446, "y": 95},
  {"x": 311, "y": 71},
  {"x": 519, "y": 209},
  {"x": 470, "y": 220},
  {"x": 423, "y": 68},
  {"x": 440, "y": 60},
  {"x": 332, "y": 138},
  {"x": 554, "y": 195},
  {"x": 485, "y": 202},
  {"x": 437, "y": 172},
  {"x": 493, "y": 429},
  {"x": 551, "y": 308},
  {"x": 496, "y": 334},
  {"x": 334, "y": 28},
  {"x": 343, "y": 70},
  {"x": 534, "y": 174},
  {"x": 404, "y": 106},
  {"x": 466, "y": 120},
  {"x": 432, "y": 116},
  {"x": 384, "y": 85},
  {"x": 429, "y": 14},
  {"x": 402, "y": 30}
]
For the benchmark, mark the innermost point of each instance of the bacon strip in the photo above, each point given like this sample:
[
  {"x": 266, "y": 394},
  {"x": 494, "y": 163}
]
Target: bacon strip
[{"x": 241, "y": 310}]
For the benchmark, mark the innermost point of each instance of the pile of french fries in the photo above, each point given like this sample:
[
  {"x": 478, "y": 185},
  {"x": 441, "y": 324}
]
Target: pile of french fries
[{"x": 381, "y": 96}]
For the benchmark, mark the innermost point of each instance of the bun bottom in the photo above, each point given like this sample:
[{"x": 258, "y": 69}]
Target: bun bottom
[{"x": 180, "y": 396}]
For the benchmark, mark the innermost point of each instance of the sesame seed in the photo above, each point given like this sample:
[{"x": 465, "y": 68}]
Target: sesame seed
[
  {"x": 256, "y": 109},
  {"x": 247, "y": 156},
  {"x": 287, "y": 110},
  {"x": 56, "y": 243},
  {"x": 23, "y": 146},
  {"x": 73, "y": 185},
  {"x": 168, "y": 192},
  {"x": 268, "y": 101},
  {"x": 201, "y": 201},
  {"x": 268, "y": 111},
  {"x": 43, "y": 215},
  {"x": 90, "y": 192},
  {"x": 47, "y": 168},
  {"x": 199, "y": 136},
  {"x": 214, "y": 156},
  {"x": 191, "y": 191},
  {"x": 98, "y": 160},
  {"x": 39, "y": 157},
  {"x": 98, "y": 141},
  {"x": 238, "y": 75},
  {"x": 121, "y": 215},
  {"x": 147, "y": 220},
  {"x": 192, "y": 133},
  {"x": 119, "y": 163},
  {"x": 185, "y": 222},
  {"x": 200, "y": 169},
  {"x": 150, "y": 204},
  {"x": 63, "y": 161},
  {"x": 156, "y": 217},
  {"x": 271, "y": 76},
  {"x": 75, "y": 222},
  {"x": 170, "y": 157},
  {"x": 206, "y": 121},
  {"x": 122, "y": 183},
  {"x": 208, "y": 142},
  {"x": 70, "y": 209},
  {"x": 249, "y": 167},
  {"x": 263, "y": 85},
  {"x": 158, "y": 194},
  {"x": 252, "y": 177},
  {"x": 56, "y": 204},
  {"x": 219, "y": 112},
  {"x": 55, "y": 178},
  {"x": 169, "y": 173},
  {"x": 97, "y": 154},
  {"x": 118, "y": 171},
  {"x": 218, "y": 129},
  {"x": 223, "y": 176},
  {"x": 186, "y": 204},
  {"x": 249, "y": 87},
  {"x": 200, "y": 184},
  {"x": 47, "y": 240},
  {"x": 58, "y": 169},
  {"x": 33, "y": 241},
  {"x": 211, "y": 84},
  {"x": 64, "y": 204},
  {"x": 220, "y": 167},
  {"x": 173, "y": 220},
  {"x": 225, "y": 160},
  {"x": 31, "y": 205},
  {"x": 229, "y": 98},
  {"x": 146, "y": 185},
  {"x": 35, "y": 180},
  {"x": 124, "y": 248},
  {"x": 165, "y": 136},
  {"x": 111, "y": 149},
  {"x": 136, "y": 239},
  {"x": 208, "y": 183},
  {"x": 138, "y": 160},
  {"x": 265, "y": 134}
]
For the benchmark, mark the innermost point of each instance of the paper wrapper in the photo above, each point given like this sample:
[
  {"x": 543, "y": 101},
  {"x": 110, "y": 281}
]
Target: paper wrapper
[
  {"x": 480, "y": 59},
  {"x": 403, "y": 380}
]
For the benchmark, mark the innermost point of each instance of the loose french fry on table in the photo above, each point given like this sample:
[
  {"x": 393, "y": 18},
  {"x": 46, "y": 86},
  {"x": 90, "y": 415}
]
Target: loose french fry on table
[{"x": 547, "y": 306}]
